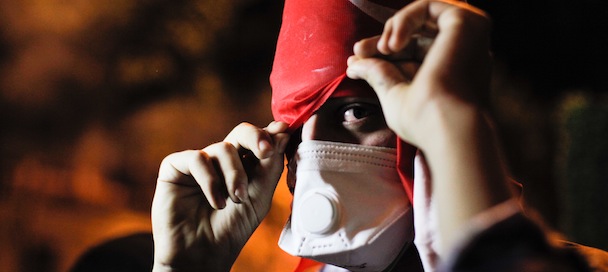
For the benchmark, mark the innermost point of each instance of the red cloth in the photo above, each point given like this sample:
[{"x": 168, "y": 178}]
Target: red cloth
[
  {"x": 308, "y": 265},
  {"x": 316, "y": 38}
]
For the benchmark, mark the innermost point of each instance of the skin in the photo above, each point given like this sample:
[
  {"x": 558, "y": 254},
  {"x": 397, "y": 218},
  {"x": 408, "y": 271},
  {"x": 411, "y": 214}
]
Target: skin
[
  {"x": 438, "y": 110},
  {"x": 211, "y": 199},
  {"x": 356, "y": 120}
]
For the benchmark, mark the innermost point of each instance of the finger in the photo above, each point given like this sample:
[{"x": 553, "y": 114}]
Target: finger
[
  {"x": 391, "y": 82},
  {"x": 249, "y": 137},
  {"x": 230, "y": 170},
  {"x": 273, "y": 165},
  {"x": 380, "y": 74},
  {"x": 366, "y": 48},
  {"x": 418, "y": 18},
  {"x": 382, "y": 44},
  {"x": 281, "y": 140},
  {"x": 461, "y": 49},
  {"x": 397, "y": 32},
  {"x": 249, "y": 158},
  {"x": 408, "y": 68},
  {"x": 402, "y": 28},
  {"x": 270, "y": 169},
  {"x": 210, "y": 181},
  {"x": 251, "y": 166},
  {"x": 277, "y": 127},
  {"x": 194, "y": 168},
  {"x": 412, "y": 52}
]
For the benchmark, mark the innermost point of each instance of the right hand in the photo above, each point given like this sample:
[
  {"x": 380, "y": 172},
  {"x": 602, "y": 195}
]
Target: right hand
[{"x": 208, "y": 202}]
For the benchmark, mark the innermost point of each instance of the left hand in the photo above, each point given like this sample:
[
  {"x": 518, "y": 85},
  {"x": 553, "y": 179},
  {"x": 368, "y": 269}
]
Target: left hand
[
  {"x": 431, "y": 71},
  {"x": 431, "y": 59}
]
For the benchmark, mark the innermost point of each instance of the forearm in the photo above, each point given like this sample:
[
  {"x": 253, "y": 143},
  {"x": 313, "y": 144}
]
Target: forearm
[{"x": 466, "y": 168}]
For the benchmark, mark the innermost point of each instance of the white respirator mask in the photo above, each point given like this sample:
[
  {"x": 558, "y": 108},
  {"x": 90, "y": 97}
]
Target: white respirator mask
[{"x": 349, "y": 208}]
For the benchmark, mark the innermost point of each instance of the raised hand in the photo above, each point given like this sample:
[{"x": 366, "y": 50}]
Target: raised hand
[
  {"x": 431, "y": 71},
  {"x": 208, "y": 202},
  {"x": 432, "y": 58}
]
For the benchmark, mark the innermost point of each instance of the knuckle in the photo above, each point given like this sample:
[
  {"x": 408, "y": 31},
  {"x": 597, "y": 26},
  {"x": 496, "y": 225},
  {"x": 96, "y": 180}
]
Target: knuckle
[
  {"x": 243, "y": 124},
  {"x": 175, "y": 166},
  {"x": 218, "y": 148},
  {"x": 223, "y": 147},
  {"x": 169, "y": 160},
  {"x": 232, "y": 176},
  {"x": 200, "y": 161},
  {"x": 384, "y": 75},
  {"x": 467, "y": 18},
  {"x": 245, "y": 127},
  {"x": 209, "y": 175},
  {"x": 244, "y": 131}
]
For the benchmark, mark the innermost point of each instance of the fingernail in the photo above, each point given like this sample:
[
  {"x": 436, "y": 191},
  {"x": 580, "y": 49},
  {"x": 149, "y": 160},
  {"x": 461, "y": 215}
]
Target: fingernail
[
  {"x": 221, "y": 203},
  {"x": 241, "y": 193}
]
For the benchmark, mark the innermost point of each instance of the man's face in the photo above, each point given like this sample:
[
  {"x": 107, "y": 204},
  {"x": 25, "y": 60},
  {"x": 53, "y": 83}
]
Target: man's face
[{"x": 348, "y": 119}]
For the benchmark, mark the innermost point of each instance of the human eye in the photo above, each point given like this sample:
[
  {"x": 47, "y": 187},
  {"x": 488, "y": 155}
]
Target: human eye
[{"x": 358, "y": 112}]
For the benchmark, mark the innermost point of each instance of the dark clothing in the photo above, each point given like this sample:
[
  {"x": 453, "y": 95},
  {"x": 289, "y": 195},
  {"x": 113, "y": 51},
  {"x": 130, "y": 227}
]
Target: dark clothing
[
  {"x": 133, "y": 253},
  {"x": 519, "y": 244}
]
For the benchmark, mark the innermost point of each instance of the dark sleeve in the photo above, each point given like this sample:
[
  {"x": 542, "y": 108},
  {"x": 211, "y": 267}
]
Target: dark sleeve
[{"x": 513, "y": 244}]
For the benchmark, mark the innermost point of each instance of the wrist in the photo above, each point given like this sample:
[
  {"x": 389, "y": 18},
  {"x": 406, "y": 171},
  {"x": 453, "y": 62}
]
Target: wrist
[{"x": 450, "y": 125}]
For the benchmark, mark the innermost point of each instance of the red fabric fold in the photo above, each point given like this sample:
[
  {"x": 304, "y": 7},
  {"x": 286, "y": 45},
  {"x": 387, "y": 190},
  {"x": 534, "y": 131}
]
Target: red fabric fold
[
  {"x": 315, "y": 41},
  {"x": 316, "y": 38}
]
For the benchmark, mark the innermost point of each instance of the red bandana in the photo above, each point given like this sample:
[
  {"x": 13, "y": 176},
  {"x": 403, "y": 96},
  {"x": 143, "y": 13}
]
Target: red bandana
[{"x": 316, "y": 38}]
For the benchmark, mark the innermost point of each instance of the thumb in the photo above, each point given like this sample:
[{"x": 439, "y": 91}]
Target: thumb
[
  {"x": 267, "y": 172},
  {"x": 380, "y": 74}
]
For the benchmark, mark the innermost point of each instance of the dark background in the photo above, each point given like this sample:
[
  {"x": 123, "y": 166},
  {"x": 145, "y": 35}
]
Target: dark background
[{"x": 94, "y": 94}]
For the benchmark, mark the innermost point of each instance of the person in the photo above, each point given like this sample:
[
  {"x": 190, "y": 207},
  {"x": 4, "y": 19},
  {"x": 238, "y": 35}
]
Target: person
[{"x": 376, "y": 110}]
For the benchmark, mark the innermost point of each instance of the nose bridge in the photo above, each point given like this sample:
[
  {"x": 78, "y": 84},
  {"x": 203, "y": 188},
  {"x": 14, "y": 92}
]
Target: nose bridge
[
  {"x": 310, "y": 129},
  {"x": 321, "y": 127}
]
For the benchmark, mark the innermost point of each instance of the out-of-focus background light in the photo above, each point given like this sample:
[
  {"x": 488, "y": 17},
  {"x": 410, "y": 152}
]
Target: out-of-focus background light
[{"x": 94, "y": 94}]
